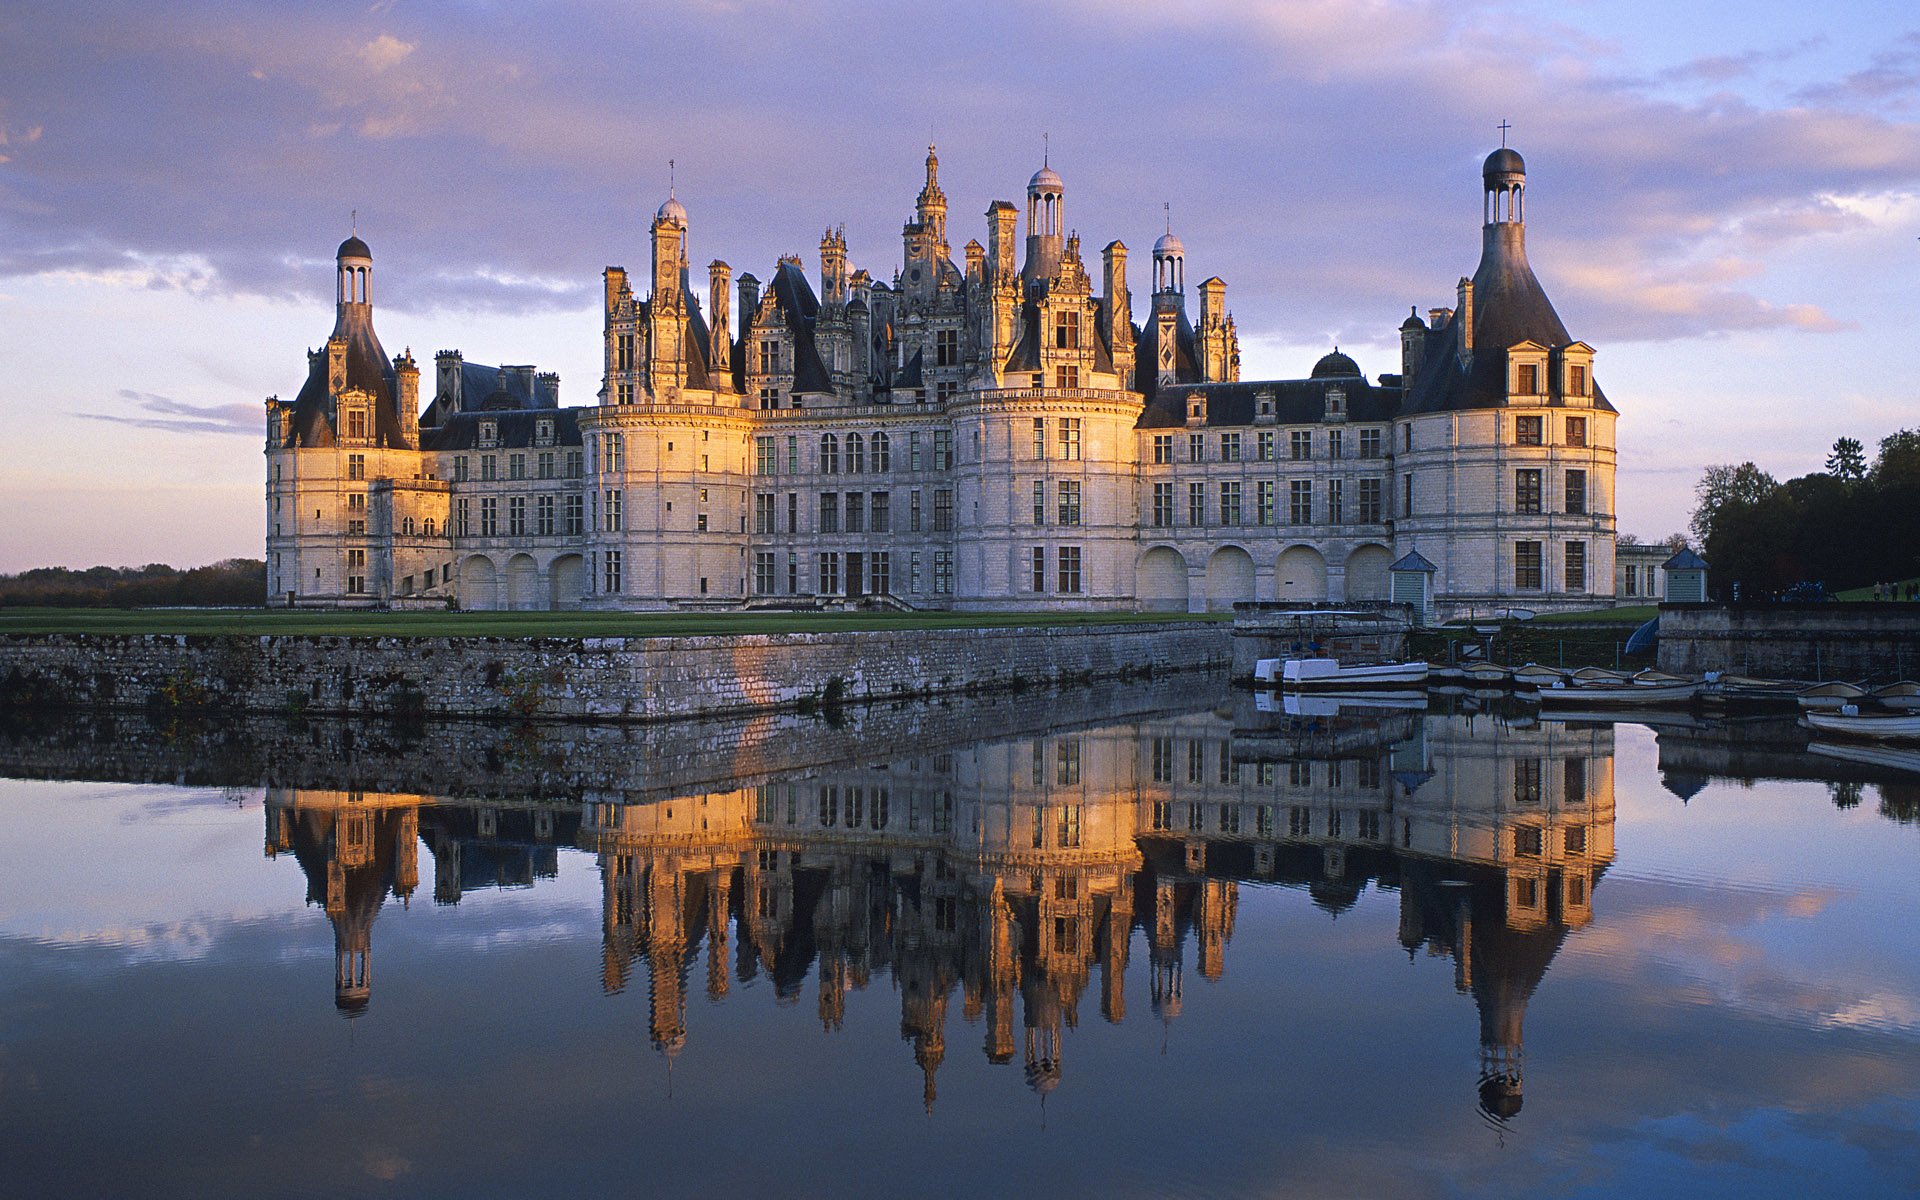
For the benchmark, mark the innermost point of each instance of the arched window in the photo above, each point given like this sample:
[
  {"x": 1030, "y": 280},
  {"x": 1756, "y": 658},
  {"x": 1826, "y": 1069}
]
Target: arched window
[
  {"x": 882, "y": 453},
  {"x": 856, "y": 455},
  {"x": 829, "y": 454},
  {"x": 429, "y": 527}
]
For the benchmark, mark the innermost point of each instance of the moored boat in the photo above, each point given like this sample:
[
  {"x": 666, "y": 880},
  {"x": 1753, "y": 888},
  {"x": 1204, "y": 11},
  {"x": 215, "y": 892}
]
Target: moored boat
[
  {"x": 1904, "y": 695},
  {"x": 1828, "y": 697},
  {"x": 1851, "y": 722},
  {"x": 1332, "y": 673},
  {"x": 1628, "y": 693}
]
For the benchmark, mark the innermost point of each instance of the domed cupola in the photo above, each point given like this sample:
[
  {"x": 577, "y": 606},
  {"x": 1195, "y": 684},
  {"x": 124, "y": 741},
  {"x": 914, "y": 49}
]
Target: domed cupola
[
  {"x": 353, "y": 272},
  {"x": 1169, "y": 264},
  {"x": 1504, "y": 176},
  {"x": 673, "y": 211},
  {"x": 1336, "y": 366}
]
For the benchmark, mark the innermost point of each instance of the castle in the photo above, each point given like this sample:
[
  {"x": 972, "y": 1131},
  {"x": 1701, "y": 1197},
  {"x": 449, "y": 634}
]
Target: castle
[{"x": 991, "y": 435}]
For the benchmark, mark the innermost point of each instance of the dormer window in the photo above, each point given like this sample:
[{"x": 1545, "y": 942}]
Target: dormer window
[
  {"x": 543, "y": 432},
  {"x": 489, "y": 433},
  {"x": 1526, "y": 379},
  {"x": 1576, "y": 380},
  {"x": 357, "y": 424},
  {"x": 1336, "y": 403},
  {"x": 1266, "y": 404}
]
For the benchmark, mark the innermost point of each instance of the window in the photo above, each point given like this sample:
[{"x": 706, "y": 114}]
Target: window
[
  {"x": 1406, "y": 494},
  {"x": 1526, "y": 379},
  {"x": 793, "y": 574},
  {"x": 489, "y": 467},
  {"x": 1336, "y": 500},
  {"x": 856, "y": 454},
  {"x": 356, "y": 466},
  {"x": 576, "y": 461},
  {"x": 880, "y": 573},
  {"x": 1576, "y": 380},
  {"x": 1576, "y": 554},
  {"x": 1067, "y": 578},
  {"x": 356, "y": 570},
  {"x": 1336, "y": 442},
  {"x": 516, "y": 466},
  {"x": 1369, "y": 443},
  {"x": 517, "y": 516},
  {"x": 1263, "y": 502},
  {"x": 1196, "y": 504},
  {"x": 829, "y": 454},
  {"x": 543, "y": 432},
  {"x": 856, "y": 512},
  {"x": 1300, "y": 445},
  {"x": 613, "y": 514},
  {"x": 1575, "y": 772},
  {"x": 880, "y": 516},
  {"x": 764, "y": 457},
  {"x": 1527, "y": 431},
  {"x": 1527, "y": 572},
  {"x": 1526, "y": 491},
  {"x": 1229, "y": 447},
  {"x": 1265, "y": 445},
  {"x": 489, "y": 433},
  {"x": 612, "y": 581},
  {"x": 913, "y": 511},
  {"x": 459, "y": 468},
  {"x": 1196, "y": 447},
  {"x": 545, "y": 467},
  {"x": 793, "y": 454},
  {"x": 913, "y": 450},
  {"x": 769, "y": 357},
  {"x": 1070, "y": 438},
  {"x": 943, "y": 572},
  {"x": 1300, "y": 502},
  {"x": 1577, "y": 492},
  {"x": 1576, "y": 839},
  {"x": 1526, "y": 781},
  {"x": 1066, "y": 331},
  {"x": 576, "y": 515},
  {"x": 763, "y": 573},
  {"x": 1230, "y": 509},
  {"x": 1527, "y": 843},
  {"x": 1369, "y": 502},
  {"x": 1406, "y": 437},
  {"x": 1065, "y": 376},
  {"x": 1630, "y": 580},
  {"x": 1038, "y": 574},
  {"x": 543, "y": 516},
  {"x": 946, "y": 348},
  {"x": 1069, "y": 501},
  {"x": 943, "y": 450},
  {"x": 489, "y": 516},
  {"x": 1162, "y": 505},
  {"x": 829, "y": 513},
  {"x": 881, "y": 452},
  {"x": 1576, "y": 431},
  {"x": 1039, "y": 502},
  {"x": 1162, "y": 447},
  {"x": 763, "y": 512},
  {"x": 913, "y": 572},
  {"x": 829, "y": 576},
  {"x": 942, "y": 510}
]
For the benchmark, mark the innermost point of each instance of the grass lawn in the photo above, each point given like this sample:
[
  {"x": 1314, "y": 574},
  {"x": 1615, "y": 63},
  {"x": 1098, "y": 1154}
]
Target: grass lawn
[
  {"x": 262, "y": 622},
  {"x": 1866, "y": 593}
]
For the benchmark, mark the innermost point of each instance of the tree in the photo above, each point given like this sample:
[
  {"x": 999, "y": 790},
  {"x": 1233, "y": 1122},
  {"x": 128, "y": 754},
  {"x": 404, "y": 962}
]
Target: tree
[
  {"x": 1848, "y": 462},
  {"x": 1723, "y": 488},
  {"x": 1898, "y": 465}
]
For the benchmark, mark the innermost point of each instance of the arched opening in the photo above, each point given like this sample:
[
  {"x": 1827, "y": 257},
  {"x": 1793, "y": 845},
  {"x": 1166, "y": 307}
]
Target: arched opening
[
  {"x": 1160, "y": 580},
  {"x": 1301, "y": 575},
  {"x": 1229, "y": 578},
  {"x": 566, "y": 582},
  {"x": 523, "y": 583},
  {"x": 1367, "y": 573},
  {"x": 479, "y": 584}
]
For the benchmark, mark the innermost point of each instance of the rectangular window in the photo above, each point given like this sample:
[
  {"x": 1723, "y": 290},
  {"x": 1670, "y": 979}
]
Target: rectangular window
[
  {"x": 1162, "y": 447},
  {"x": 1336, "y": 500},
  {"x": 1369, "y": 443},
  {"x": 1576, "y": 431},
  {"x": 829, "y": 454},
  {"x": 1266, "y": 445},
  {"x": 1069, "y": 501},
  {"x": 1527, "y": 431},
  {"x": 1230, "y": 508},
  {"x": 1527, "y": 843},
  {"x": 793, "y": 574},
  {"x": 1526, "y": 491},
  {"x": 943, "y": 572},
  {"x": 546, "y": 464},
  {"x": 489, "y": 516},
  {"x": 357, "y": 466},
  {"x": 613, "y": 513},
  {"x": 1196, "y": 447},
  {"x": 1406, "y": 495},
  {"x": 517, "y": 516},
  {"x": 1526, "y": 781},
  {"x": 913, "y": 572},
  {"x": 357, "y": 423},
  {"x": 829, "y": 513},
  {"x": 793, "y": 512},
  {"x": 1576, "y": 840},
  {"x": 576, "y": 464},
  {"x": 880, "y": 512},
  {"x": 1371, "y": 508},
  {"x": 1038, "y": 574},
  {"x": 1576, "y": 566},
  {"x": 516, "y": 466},
  {"x": 1300, "y": 445},
  {"x": 543, "y": 516},
  {"x": 1335, "y": 443},
  {"x": 943, "y": 450},
  {"x": 942, "y": 510},
  {"x": 763, "y": 573},
  {"x": 829, "y": 576},
  {"x": 1070, "y": 438},
  {"x": 946, "y": 348},
  {"x": 576, "y": 515},
  {"x": 1196, "y": 504},
  {"x": 1526, "y": 379},
  {"x": 613, "y": 575},
  {"x": 1527, "y": 570},
  {"x": 1576, "y": 381},
  {"x": 763, "y": 512},
  {"x": 1067, "y": 578},
  {"x": 880, "y": 573},
  {"x": 764, "y": 455},
  {"x": 913, "y": 511},
  {"x": 459, "y": 468},
  {"x": 1229, "y": 447},
  {"x": 1300, "y": 502},
  {"x": 913, "y": 450},
  {"x": 1039, "y": 502},
  {"x": 1263, "y": 501},
  {"x": 1066, "y": 376},
  {"x": 856, "y": 512},
  {"x": 489, "y": 467},
  {"x": 1162, "y": 505},
  {"x": 1066, "y": 331},
  {"x": 1039, "y": 437},
  {"x": 1575, "y": 773},
  {"x": 1577, "y": 492}
]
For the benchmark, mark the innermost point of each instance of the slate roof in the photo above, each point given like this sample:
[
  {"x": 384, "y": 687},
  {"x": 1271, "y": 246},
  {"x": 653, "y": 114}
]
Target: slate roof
[
  {"x": 368, "y": 368},
  {"x": 462, "y": 430},
  {"x": 1295, "y": 402},
  {"x": 801, "y": 310},
  {"x": 1685, "y": 560}
]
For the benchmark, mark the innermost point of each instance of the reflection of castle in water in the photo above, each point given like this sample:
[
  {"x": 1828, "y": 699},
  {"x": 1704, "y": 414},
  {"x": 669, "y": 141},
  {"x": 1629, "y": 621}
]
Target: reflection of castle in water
[{"x": 1009, "y": 875}]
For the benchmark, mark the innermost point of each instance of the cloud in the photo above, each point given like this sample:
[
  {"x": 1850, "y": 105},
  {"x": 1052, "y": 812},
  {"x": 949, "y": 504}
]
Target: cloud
[
  {"x": 385, "y": 52},
  {"x": 178, "y": 416}
]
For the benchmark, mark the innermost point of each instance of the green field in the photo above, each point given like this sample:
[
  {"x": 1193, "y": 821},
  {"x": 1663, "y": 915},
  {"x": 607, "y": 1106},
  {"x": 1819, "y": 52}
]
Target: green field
[
  {"x": 264, "y": 622},
  {"x": 1866, "y": 593}
]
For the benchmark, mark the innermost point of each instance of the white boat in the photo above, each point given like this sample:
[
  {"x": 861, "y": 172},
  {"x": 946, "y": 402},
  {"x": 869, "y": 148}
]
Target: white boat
[
  {"x": 1331, "y": 673},
  {"x": 1851, "y": 722},
  {"x": 1533, "y": 675},
  {"x": 1896, "y": 757},
  {"x": 1828, "y": 697},
  {"x": 1904, "y": 695},
  {"x": 1628, "y": 693},
  {"x": 1332, "y": 704}
]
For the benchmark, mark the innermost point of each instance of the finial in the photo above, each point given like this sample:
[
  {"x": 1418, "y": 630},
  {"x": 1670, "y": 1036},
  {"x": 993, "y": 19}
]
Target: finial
[
  {"x": 1168, "y": 205},
  {"x": 1046, "y": 149},
  {"x": 670, "y": 179},
  {"x": 1503, "y": 127},
  {"x": 354, "y": 221}
]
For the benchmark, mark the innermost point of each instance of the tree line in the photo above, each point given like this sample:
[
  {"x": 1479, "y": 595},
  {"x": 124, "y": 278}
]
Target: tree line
[
  {"x": 1852, "y": 525},
  {"x": 234, "y": 581}
]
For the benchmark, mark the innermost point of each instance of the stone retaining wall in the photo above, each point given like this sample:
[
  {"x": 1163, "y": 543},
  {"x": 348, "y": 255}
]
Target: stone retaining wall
[
  {"x": 1792, "y": 641},
  {"x": 592, "y": 679}
]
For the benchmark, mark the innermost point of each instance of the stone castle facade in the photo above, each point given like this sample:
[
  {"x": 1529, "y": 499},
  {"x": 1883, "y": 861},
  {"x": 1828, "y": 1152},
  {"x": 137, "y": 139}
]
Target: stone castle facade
[{"x": 994, "y": 434}]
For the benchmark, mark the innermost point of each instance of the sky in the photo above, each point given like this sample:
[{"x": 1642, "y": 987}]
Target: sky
[{"x": 1723, "y": 199}]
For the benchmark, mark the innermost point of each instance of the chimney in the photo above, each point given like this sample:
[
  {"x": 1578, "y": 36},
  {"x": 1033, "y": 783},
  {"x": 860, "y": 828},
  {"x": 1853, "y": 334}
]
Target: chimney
[
  {"x": 719, "y": 297},
  {"x": 749, "y": 301},
  {"x": 1465, "y": 309},
  {"x": 546, "y": 390}
]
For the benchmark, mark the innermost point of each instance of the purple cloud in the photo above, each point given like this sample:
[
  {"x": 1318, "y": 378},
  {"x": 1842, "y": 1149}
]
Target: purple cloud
[{"x": 178, "y": 416}]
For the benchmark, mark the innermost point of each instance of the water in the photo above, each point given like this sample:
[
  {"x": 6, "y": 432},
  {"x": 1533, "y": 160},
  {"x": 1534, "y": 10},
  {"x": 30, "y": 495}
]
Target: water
[{"x": 1373, "y": 954}]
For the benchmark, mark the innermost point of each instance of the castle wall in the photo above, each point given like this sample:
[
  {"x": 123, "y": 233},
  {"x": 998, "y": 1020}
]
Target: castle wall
[{"x": 1792, "y": 641}]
